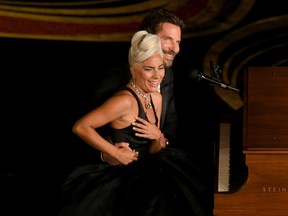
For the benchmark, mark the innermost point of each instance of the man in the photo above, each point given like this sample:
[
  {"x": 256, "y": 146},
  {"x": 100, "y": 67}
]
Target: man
[{"x": 168, "y": 26}]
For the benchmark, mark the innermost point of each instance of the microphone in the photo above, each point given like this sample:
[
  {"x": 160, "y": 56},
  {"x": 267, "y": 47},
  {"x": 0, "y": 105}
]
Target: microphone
[{"x": 198, "y": 75}]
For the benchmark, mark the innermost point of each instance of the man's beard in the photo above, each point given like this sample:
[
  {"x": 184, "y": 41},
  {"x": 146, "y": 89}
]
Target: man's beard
[{"x": 168, "y": 63}]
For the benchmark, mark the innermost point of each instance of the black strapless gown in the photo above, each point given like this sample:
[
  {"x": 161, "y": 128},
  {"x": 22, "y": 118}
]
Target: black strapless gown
[{"x": 166, "y": 183}]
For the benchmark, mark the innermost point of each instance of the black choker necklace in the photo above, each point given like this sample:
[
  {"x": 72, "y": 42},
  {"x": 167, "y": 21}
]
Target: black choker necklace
[{"x": 148, "y": 104}]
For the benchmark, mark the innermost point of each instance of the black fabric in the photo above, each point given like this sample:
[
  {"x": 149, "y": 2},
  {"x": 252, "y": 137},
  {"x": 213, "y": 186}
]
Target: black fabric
[{"x": 169, "y": 118}]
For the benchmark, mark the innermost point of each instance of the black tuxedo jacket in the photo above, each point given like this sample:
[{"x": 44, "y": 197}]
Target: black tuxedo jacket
[{"x": 169, "y": 117}]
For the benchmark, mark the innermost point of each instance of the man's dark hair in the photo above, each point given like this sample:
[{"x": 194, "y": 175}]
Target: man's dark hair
[{"x": 156, "y": 17}]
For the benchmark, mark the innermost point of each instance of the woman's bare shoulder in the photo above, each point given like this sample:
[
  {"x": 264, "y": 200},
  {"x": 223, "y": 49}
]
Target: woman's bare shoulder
[{"x": 124, "y": 98}]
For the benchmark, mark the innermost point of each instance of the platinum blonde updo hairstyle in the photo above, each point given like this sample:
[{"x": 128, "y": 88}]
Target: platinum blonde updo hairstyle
[{"x": 143, "y": 46}]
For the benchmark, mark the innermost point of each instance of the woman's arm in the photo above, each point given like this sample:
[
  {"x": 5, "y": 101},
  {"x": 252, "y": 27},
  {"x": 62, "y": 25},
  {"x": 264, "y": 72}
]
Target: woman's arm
[{"x": 112, "y": 110}]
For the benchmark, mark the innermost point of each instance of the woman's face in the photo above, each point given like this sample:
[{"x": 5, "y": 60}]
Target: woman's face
[{"x": 149, "y": 74}]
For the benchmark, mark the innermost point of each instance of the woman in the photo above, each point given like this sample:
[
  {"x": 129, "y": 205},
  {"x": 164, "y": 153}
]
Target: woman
[{"x": 152, "y": 179}]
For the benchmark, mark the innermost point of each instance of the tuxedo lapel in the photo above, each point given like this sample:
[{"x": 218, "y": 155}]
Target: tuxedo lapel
[{"x": 165, "y": 91}]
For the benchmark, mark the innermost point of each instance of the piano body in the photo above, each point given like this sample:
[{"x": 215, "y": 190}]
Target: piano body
[{"x": 265, "y": 147}]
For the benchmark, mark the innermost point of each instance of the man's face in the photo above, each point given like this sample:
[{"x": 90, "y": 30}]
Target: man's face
[{"x": 170, "y": 39}]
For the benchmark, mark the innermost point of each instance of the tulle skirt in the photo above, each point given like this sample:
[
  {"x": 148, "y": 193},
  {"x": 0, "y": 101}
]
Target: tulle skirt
[{"x": 162, "y": 184}]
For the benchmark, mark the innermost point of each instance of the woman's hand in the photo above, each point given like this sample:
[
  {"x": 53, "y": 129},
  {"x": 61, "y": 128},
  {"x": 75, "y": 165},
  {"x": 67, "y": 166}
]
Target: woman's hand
[
  {"x": 124, "y": 155},
  {"x": 145, "y": 129},
  {"x": 111, "y": 160}
]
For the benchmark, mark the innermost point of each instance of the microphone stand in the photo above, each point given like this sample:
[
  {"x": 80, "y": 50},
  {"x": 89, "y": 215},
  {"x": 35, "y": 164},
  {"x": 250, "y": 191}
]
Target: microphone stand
[
  {"x": 215, "y": 78},
  {"x": 218, "y": 83}
]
